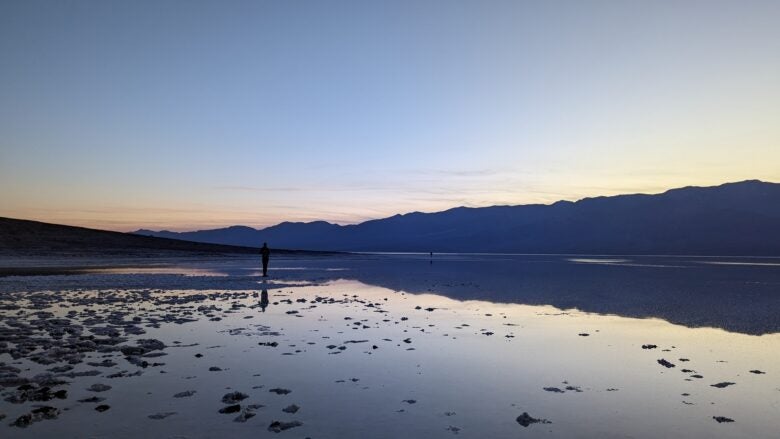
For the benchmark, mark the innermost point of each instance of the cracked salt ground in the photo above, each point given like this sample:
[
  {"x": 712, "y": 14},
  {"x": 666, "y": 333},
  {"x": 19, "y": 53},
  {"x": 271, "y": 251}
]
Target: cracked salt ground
[{"x": 185, "y": 363}]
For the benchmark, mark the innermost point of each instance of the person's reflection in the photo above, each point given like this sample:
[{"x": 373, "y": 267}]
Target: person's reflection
[{"x": 264, "y": 299}]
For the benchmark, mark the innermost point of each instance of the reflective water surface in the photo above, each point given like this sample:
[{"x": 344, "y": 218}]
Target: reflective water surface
[{"x": 389, "y": 346}]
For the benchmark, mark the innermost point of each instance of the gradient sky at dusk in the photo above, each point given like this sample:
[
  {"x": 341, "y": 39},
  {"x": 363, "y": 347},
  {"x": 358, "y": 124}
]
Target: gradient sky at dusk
[{"x": 187, "y": 115}]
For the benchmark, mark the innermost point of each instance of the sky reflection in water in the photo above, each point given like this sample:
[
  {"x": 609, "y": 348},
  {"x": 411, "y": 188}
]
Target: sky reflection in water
[{"x": 470, "y": 365}]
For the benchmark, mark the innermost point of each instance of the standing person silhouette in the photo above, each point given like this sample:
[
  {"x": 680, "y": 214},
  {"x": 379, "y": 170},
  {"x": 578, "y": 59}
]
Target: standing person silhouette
[{"x": 266, "y": 252}]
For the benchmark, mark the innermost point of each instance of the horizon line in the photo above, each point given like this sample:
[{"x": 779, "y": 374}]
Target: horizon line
[{"x": 343, "y": 224}]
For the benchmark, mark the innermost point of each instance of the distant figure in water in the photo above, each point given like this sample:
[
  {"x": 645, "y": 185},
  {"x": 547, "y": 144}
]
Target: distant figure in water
[
  {"x": 264, "y": 300},
  {"x": 266, "y": 252},
  {"x": 431, "y": 257}
]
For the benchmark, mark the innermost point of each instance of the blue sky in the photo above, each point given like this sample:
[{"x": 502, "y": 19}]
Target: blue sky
[{"x": 186, "y": 115}]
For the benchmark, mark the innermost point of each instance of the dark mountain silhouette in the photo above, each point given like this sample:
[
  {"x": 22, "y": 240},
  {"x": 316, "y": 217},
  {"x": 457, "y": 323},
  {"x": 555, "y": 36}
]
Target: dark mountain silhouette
[
  {"x": 731, "y": 219},
  {"x": 33, "y": 238}
]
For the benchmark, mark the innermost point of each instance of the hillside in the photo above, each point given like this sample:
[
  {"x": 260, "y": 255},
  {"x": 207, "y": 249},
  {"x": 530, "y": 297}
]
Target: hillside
[{"x": 32, "y": 238}]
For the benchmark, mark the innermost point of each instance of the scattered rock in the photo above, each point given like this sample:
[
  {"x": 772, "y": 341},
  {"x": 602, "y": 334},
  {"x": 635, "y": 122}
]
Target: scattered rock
[
  {"x": 45, "y": 412},
  {"x": 161, "y": 415},
  {"x": 151, "y": 344},
  {"x": 244, "y": 416},
  {"x": 99, "y": 387},
  {"x": 722, "y": 419},
  {"x": 230, "y": 409},
  {"x": 279, "y": 426},
  {"x": 525, "y": 420},
  {"x": 32, "y": 392},
  {"x": 37, "y": 414},
  {"x": 292, "y": 408},
  {"x": 234, "y": 397},
  {"x": 23, "y": 421}
]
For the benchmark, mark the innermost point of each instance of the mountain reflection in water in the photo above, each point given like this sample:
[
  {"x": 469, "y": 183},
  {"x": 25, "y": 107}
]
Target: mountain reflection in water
[{"x": 736, "y": 294}]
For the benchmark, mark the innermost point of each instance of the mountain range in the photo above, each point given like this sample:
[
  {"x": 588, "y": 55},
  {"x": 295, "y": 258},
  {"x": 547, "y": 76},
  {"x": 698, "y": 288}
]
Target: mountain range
[
  {"x": 740, "y": 218},
  {"x": 23, "y": 238}
]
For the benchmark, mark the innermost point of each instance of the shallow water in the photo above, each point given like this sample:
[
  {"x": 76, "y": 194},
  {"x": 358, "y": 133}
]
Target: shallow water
[{"x": 471, "y": 366}]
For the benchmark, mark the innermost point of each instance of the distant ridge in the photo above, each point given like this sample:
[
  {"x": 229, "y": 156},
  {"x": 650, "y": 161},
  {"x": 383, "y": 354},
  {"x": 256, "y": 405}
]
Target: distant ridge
[
  {"x": 33, "y": 238},
  {"x": 731, "y": 219}
]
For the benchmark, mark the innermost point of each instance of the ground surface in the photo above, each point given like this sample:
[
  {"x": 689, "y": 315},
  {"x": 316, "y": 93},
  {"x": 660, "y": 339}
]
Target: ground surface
[{"x": 161, "y": 350}]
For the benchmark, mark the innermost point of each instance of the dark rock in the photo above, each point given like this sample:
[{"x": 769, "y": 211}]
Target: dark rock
[
  {"x": 291, "y": 409},
  {"x": 525, "y": 420},
  {"x": 132, "y": 350},
  {"x": 278, "y": 426},
  {"x": 86, "y": 373},
  {"x": 151, "y": 344},
  {"x": 45, "y": 412},
  {"x": 103, "y": 407},
  {"x": 244, "y": 416},
  {"x": 23, "y": 421},
  {"x": 722, "y": 419},
  {"x": 234, "y": 397},
  {"x": 137, "y": 361},
  {"x": 161, "y": 415},
  {"x": 155, "y": 354},
  {"x": 104, "y": 363},
  {"x": 29, "y": 392},
  {"x": 99, "y": 387},
  {"x": 279, "y": 391},
  {"x": 722, "y": 385},
  {"x": 665, "y": 363},
  {"x": 230, "y": 409}
]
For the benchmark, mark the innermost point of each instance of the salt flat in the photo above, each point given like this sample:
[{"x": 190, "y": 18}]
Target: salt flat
[{"x": 340, "y": 348}]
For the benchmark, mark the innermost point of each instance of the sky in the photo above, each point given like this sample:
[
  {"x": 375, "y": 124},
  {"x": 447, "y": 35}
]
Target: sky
[{"x": 187, "y": 115}]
